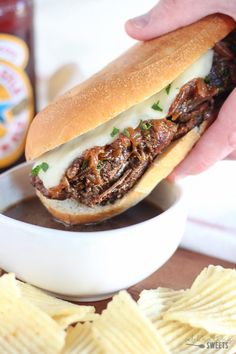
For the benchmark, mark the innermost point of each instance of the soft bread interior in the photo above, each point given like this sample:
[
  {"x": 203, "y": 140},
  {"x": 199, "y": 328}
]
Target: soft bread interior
[{"x": 71, "y": 212}]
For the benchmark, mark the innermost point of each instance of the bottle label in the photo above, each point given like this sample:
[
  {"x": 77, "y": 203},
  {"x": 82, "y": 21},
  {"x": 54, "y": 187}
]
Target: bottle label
[
  {"x": 14, "y": 50},
  {"x": 16, "y": 101}
]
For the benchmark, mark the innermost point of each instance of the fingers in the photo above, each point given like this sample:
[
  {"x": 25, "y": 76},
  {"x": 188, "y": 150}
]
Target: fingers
[
  {"x": 169, "y": 15},
  {"x": 217, "y": 142}
]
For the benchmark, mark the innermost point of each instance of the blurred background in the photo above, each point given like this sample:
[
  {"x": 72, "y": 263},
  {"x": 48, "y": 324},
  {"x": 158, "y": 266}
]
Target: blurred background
[{"x": 75, "y": 38}]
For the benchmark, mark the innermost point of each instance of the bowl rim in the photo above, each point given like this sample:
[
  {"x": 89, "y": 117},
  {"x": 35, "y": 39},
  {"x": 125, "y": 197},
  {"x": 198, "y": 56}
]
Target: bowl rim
[{"x": 6, "y": 220}]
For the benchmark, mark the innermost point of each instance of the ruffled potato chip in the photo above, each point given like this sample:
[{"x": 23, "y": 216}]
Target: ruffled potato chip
[
  {"x": 9, "y": 288},
  {"x": 63, "y": 312},
  {"x": 180, "y": 337},
  {"x": 210, "y": 304},
  {"x": 23, "y": 327},
  {"x": 155, "y": 302},
  {"x": 80, "y": 340},
  {"x": 123, "y": 328},
  {"x": 184, "y": 339}
]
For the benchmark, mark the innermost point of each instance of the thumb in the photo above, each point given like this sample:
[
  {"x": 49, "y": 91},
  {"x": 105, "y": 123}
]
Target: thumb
[
  {"x": 169, "y": 15},
  {"x": 217, "y": 142}
]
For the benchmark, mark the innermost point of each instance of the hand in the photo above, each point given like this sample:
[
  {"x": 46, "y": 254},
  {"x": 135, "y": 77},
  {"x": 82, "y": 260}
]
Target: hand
[{"x": 219, "y": 140}]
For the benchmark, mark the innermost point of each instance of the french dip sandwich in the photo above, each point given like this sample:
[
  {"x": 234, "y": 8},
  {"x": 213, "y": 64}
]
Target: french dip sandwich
[{"x": 102, "y": 147}]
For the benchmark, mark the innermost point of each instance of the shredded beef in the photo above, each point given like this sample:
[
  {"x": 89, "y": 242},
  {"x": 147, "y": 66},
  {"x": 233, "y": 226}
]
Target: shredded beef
[{"x": 104, "y": 174}]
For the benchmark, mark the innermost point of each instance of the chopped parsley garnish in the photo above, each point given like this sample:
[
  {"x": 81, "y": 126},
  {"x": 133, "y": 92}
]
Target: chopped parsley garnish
[
  {"x": 99, "y": 165},
  {"x": 156, "y": 106},
  {"x": 35, "y": 170},
  {"x": 126, "y": 133},
  {"x": 42, "y": 167},
  {"x": 168, "y": 89},
  {"x": 144, "y": 126},
  {"x": 114, "y": 132},
  {"x": 207, "y": 79},
  {"x": 84, "y": 165}
]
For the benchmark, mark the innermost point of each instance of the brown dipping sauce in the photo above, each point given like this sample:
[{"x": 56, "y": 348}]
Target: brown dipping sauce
[{"x": 33, "y": 212}]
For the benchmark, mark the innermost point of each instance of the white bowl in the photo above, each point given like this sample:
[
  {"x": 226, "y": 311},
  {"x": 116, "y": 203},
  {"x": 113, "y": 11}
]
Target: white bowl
[{"x": 82, "y": 265}]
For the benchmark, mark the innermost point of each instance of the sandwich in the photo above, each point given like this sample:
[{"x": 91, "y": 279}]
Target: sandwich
[{"x": 104, "y": 145}]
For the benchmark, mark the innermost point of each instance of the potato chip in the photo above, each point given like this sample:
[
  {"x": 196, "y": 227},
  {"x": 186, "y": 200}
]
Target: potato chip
[
  {"x": 184, "y": 339},
  {"x": 212, "y": 272},
  {"x": 65, "y": 321},
  {"x": 23, "y": 327},
  {"x": 200, "y": 320},
  {"x": 63, "y": 312},
  {"x": 9, "y": 288},
  {"x": 80, "y": 340},
  {"x": 123, "y": 328},
  {"x": 155, "y": 302},
  {"x": 210, "y": 303},
  {"x": 180, "y": 337}
]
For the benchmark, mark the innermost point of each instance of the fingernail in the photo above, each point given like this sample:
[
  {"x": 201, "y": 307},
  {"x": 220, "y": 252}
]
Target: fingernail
[{"x": 141, "y": 21}]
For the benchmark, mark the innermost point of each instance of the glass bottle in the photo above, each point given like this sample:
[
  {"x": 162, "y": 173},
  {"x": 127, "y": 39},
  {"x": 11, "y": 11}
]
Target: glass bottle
[{"x": 17, "y": 79}]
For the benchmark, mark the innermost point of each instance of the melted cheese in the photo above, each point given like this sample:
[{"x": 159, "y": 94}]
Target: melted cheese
[{"x": 60, "y": 158}]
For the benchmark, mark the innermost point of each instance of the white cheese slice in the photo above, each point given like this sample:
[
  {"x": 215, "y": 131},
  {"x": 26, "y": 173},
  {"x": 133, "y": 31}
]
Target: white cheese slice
[{"x": 60, "y": 158}]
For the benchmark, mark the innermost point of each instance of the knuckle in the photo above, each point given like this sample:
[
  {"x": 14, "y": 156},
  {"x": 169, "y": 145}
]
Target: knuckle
[
  {"x": 164, "y": 7},
  {"x": 169, "y": 6},
  {"x": 170, "y": 11},
  {"x": 174, "y": 5}
]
